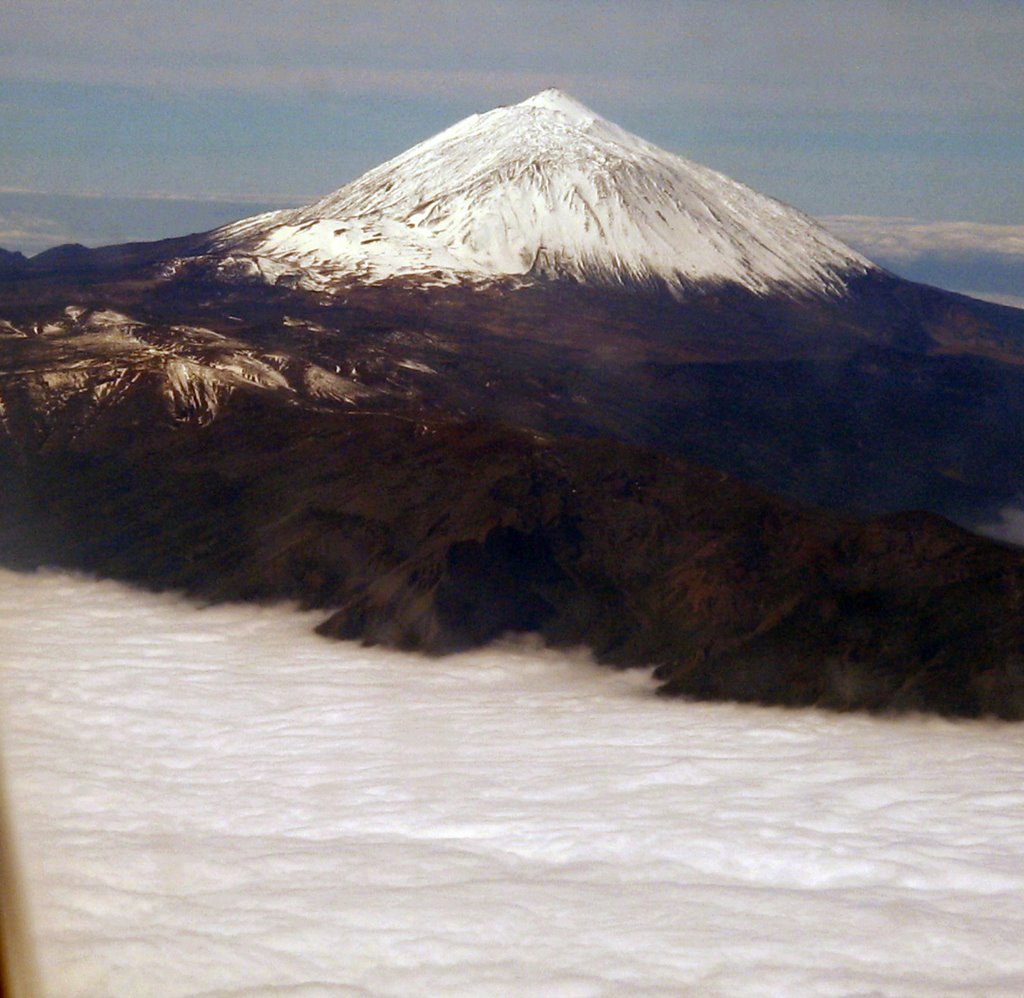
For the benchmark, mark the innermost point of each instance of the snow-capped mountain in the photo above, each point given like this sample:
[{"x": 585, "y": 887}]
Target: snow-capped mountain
[
  {"x": 461, "y": 396},
  {"x": 543, "y": 188}
]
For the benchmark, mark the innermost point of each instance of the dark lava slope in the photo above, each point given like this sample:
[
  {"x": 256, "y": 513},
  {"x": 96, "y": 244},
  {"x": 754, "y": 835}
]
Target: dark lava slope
[
  {"x": 436, "y": 534},
  {"x": 899, "y": 397},
  {"x": 436, "y": 466}
]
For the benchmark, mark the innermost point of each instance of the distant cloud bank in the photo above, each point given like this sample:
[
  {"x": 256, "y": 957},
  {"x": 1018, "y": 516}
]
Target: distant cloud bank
[
  {"x": 1008, "y": 526},
  {"x": 908, "y": 239},
  {"x": 33, "y": 221},
  {"x": 30, "y": 233},
  {"x": 981, "y": 259},
  {"x": 1014, "y": 301}
]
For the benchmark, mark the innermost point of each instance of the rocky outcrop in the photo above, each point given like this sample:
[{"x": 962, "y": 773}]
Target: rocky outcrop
[
  {"x": 859, "y": 422},
  {"x": 435, "y": 466}
]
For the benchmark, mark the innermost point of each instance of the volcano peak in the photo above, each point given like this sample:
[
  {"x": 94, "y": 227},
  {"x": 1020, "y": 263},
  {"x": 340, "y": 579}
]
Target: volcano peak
[
  {"x": 553, "y": 99},
  {"x": 540, "y": 190}
]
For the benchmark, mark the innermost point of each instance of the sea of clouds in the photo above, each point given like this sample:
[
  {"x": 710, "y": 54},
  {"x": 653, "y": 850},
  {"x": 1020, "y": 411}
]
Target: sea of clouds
[
  {"x": 31, "y": 221},
  {"x": 215, "y": 802}
]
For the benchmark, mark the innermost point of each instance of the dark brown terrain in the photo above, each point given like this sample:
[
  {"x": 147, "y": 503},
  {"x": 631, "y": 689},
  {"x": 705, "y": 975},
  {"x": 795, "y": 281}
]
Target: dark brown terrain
[
  {"x": 897, "y": 397},
  {"x": 435, "y": 467}
]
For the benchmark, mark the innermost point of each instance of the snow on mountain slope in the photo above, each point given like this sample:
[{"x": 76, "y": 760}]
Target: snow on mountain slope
[
  {"x": 67, "y": 370},
  {"x": 543, "y": 188}
]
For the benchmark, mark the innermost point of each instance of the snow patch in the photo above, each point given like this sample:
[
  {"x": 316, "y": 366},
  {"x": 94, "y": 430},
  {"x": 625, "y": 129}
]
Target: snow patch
[
  {"x": 66, "y": 380},
  {"x": 252, "y": 370},
  {"x": 194, "y": 391},
  {"x": 115, "y": 386},
  {"x": 314, "y": 327},
  {"x": 9, "y": 329},
  {"x": 199, "y": 333},
  {"x": 106, "y": 317},
  {"x": 323, "y": 384},
  {"x": 415, "y": 365}
]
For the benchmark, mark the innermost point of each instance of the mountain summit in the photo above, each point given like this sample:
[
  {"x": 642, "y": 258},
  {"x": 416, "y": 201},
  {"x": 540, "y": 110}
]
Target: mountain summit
[{"x": 545, "y": 188}]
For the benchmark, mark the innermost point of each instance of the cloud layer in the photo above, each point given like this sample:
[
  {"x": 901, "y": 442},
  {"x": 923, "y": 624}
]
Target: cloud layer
[
  {"x": 976, "y": 258},
  {"x": 217, "y": 802},
  {"x": 1008, "y": 526},
  {"x": 908, "y": 239},
  {"x": 31, "y": 221}
]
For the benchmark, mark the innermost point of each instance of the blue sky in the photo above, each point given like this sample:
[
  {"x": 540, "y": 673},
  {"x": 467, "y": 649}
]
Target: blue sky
[{"x": 851, "y": 107}]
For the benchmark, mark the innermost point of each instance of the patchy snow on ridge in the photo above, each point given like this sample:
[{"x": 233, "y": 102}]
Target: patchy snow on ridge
[
  {"x": 545, "y": 188},
  {"x": 218, "y": 803}
]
